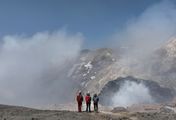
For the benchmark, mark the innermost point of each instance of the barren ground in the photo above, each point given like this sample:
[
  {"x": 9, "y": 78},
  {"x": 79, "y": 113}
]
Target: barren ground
[{"x": 22, "y": 113}]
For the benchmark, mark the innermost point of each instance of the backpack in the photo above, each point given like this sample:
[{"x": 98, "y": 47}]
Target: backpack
[{"x": 96, "y": 99}]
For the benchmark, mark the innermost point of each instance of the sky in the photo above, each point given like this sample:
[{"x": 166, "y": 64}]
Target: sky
[{"x": 95, "y": 19}]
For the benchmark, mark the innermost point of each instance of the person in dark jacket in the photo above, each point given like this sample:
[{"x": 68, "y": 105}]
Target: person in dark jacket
[
  {"x": 79, "y": 101},
  {"x": 95, "y": 100},
  {"x": 88, "y": 102}
]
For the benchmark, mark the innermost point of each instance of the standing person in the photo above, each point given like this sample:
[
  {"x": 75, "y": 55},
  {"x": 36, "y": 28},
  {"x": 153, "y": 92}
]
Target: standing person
[
  {"x": 88, "y": 102},
  {"x": 95, "y": 100},
  {"x": 79, "y": 100}
]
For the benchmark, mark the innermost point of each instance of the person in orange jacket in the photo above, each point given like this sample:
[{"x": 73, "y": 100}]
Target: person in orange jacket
[
  {"x": 79, "y": 99},
  {"x": 88, "y": 102}
]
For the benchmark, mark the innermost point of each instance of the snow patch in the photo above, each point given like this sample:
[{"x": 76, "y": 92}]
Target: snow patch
[
  {"x": 84, "y": 75},
  {"x": 88, "y": 65},
  {"x": 92, "y": 77}
]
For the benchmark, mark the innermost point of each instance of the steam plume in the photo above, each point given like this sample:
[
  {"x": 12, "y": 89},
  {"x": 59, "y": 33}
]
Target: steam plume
[
  {"x": 140, "y": 37},
  {"x": 132, "y": 93},
  {"x": 147, "y": 32},
  {"x": 32, "y": 69}
]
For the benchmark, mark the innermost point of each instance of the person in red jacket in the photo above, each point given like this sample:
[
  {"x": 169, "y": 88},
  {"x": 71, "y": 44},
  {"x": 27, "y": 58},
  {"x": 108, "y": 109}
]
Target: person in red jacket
[
  {"x": 79, "y": 101},
  {"x": 88, "y": 102}
]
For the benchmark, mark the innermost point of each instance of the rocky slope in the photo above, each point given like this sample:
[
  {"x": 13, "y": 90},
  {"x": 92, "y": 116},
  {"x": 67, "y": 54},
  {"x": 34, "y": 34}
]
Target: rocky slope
[
  {"x": 163, "y": 61},
  {"x": 95, "y": 68}
]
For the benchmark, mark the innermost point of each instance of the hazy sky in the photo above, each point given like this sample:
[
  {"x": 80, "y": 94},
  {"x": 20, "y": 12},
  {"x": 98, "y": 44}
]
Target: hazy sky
[{"x": 95, "y": 19}]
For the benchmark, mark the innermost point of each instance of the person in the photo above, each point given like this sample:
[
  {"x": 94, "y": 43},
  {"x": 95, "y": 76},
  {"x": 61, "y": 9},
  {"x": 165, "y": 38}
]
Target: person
[
  {"x": 79, "y": 101},
  {"x": 95, "y": 100},
  {"x": 88, "y": 102}
]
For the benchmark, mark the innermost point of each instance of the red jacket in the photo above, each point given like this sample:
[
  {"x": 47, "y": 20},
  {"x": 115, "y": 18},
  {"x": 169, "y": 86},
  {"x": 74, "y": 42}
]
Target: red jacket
[
  {"x": 79, "y": 98},
  {"x": 88, "y": 99}
]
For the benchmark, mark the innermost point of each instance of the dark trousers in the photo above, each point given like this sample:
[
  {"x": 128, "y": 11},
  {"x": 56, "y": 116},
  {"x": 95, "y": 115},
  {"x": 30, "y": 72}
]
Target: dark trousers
[
  {"x": 88, "y": 107},
  {"x": 96, "y": 107},
  {"x": 79, "y": 107}
]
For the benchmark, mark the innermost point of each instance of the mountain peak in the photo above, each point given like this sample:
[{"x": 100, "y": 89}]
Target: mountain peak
[{"x": 169, "y": 48}]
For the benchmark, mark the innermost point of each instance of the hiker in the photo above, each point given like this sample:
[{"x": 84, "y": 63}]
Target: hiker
[
  {"x": 79, "y": 100},
  {"x": 95, "y": 100},
  {"x": 88, "y": 102}
]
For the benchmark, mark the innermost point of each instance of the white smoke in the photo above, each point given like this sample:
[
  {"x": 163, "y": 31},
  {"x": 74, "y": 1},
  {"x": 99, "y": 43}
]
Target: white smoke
[
  {"x": 139, "y": 39},
  {"x": 33, "y": 68},
  {"x": 144, "y": 34},
  {"x": 132, "y": 93}
]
